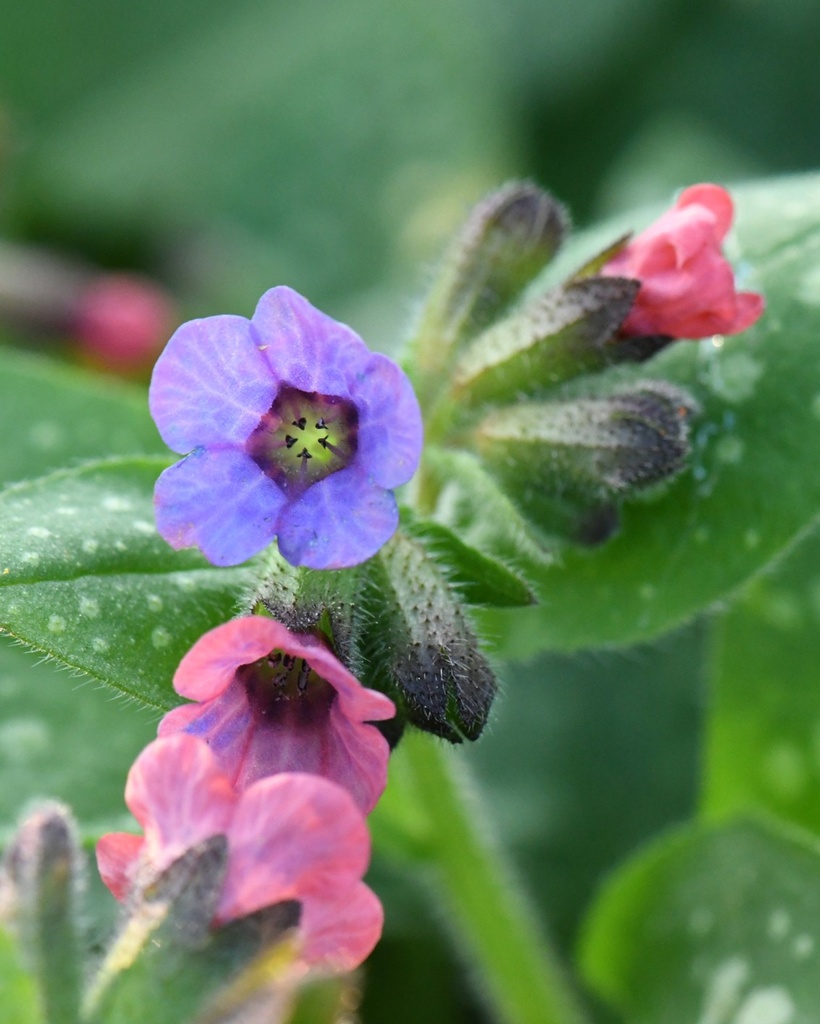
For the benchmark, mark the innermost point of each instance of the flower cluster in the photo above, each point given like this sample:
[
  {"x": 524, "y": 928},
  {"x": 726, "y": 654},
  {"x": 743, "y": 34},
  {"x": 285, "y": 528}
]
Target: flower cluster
[
  {"x": 279, "y": 757},
  {"x": 291, "y": 429}
]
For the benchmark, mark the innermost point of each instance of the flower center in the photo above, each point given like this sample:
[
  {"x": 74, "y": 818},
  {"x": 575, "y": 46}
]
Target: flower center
[
  {"x": 303, "y": 438},
  {"x": 279, "y": 680}
]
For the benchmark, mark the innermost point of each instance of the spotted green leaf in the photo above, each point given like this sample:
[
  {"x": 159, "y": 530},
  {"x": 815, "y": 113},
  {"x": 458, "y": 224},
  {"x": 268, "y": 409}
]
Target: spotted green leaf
[
  {"x": 64, "y": 737},
  {"x": 86, "y": 579},
  {"x": 763, "y": 748},
  {"x": 753, "y": 484},
  {"x": 52, "y": 416},
  {"x": 714, "y": 926}
]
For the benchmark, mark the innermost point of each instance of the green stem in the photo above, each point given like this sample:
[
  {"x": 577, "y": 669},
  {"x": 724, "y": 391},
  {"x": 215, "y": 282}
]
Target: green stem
[{"x": 518, "y": 971}]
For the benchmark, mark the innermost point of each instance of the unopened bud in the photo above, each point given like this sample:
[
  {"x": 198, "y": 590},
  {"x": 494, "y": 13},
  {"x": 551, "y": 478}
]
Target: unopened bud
[
  {"x": 567, "y": 332},
  {"x": 43, "y": 878},
  {"x": 507, "y": 240},
  {"x": 581, "y": 455},
  {"x": 434, "y": 667}
]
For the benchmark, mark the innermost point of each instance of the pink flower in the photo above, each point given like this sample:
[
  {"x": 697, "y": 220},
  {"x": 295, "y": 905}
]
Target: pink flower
[
  {"x": 274, "y": 701},
  {"x": 687, "y": 285},
  {"x": 290, "y": 837},
  {"x": 122, "y": 321}
]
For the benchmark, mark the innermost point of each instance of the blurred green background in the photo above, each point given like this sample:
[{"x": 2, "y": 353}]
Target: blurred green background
[{"x": 333, "y": 145}]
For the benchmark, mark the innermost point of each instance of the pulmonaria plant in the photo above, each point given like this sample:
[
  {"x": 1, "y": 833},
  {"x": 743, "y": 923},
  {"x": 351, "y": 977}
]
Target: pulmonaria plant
[
  {"x": 291, "y": 427},
  {"x": 687, "y": 285},
  {"x": 290, "y": 837},
  {"x": 274, "y": 701},
  {"x": 253, "y": 798}
]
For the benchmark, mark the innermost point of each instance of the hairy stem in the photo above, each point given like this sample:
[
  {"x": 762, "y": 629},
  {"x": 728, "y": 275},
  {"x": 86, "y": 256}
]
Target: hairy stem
[{"x": 517, "y": 970}]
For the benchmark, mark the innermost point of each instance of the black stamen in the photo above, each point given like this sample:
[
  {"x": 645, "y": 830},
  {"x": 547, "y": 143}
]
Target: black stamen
[
  {"x": 301, "y": 423},
  {"x": 323, "y": 442},
  {"x": 304, "y": 454},
  {"x": 302, "y": 681},
  {"x": 321, "y": 425},
  {"x": 290, "y": 441}
]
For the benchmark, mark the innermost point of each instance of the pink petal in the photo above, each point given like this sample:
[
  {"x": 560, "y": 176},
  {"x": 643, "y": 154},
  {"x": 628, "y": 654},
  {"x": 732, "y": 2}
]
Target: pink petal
[
  {"x": 177, "y": 793},
  {"x": 293, "y": 836},
  {"x": 348, "y": 752},
  {"x": 116, "y": 855},
  {"x": 330, "y": 739},
  {"x": 716, "y": 200},
  {"x": 226, "y": 723},
  {"x": 177, "y": 719},
  {"x": 687, "y": 285},
  {"x": 210, "y": 665},
  {"x": 341, "y": 747},
  {"x": 750, "y": 307},
  {"x": 340, "y": 933},
  {"x": 670, "y": 243}
]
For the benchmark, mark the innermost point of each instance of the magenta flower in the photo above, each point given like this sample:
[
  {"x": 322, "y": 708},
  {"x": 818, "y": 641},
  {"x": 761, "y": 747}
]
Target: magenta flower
[
  {"x": 274, "y": 701},
  {"x": 291, "y": 428},
  {"x": 687, "y": 285},
  {"x": 290, "y": 837}
]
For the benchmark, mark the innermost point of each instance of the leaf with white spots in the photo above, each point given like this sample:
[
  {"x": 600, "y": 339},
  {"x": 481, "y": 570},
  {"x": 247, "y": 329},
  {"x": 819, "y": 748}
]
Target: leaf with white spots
[
  {"x": 763, "y": 747},
  {"x": 86, "y": 579},
  {"x": 711, "y": 926},
  {"x": 66, "y": 738},
  {"x": 752, "y": 486},
  {"x": 51, "y": 416}
]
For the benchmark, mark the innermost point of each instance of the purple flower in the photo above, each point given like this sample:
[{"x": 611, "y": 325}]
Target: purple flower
[{"x": 291, "y": 427}]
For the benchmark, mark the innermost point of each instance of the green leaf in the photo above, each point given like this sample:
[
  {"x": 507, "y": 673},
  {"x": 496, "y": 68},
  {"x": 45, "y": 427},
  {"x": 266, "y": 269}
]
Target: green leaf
[
  {"x": 717, "y": 926},
  {"x": 472, "y": 505},
  {"x": 51, "y": 415},
  {"x": 480, "y": 579},
  {"x": 753, "y": 485},
  {"x": 63, "y": 738},
  {"x": 763, "y": 748},
  {"x": 86, "y": 579}
]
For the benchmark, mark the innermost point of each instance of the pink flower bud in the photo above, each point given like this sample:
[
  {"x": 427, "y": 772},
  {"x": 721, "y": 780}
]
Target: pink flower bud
[
  {"x": 122, "y": 321},
  {"x": 687, "y": 285}
]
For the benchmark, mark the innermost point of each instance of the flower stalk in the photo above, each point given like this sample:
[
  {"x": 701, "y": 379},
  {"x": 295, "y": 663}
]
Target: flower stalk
[{"x": 519, "y": 971}]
